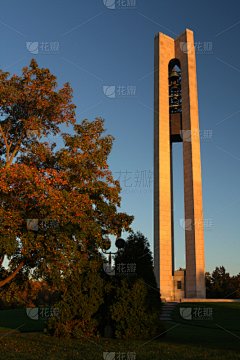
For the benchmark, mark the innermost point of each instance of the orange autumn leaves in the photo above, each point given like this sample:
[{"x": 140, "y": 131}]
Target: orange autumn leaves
[{"x": 65, "y": 185}]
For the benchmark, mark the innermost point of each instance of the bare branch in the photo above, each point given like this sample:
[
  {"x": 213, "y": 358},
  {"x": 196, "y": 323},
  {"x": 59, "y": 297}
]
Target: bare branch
[
  {"x": 14, "y": 152},
  {"x": 5, "y": 281},
  {"x": 5, "y": 139},
  {"x": 1, "y": 261}
]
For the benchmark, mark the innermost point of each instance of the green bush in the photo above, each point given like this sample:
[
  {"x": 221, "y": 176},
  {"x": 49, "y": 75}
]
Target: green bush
[
  {"x": 81, "y": 298},
  {"x": 93, "y": 299},
  {"x": 137, "y": 252},
  {"x": 133, "y": 299},
  {"x": 134, "y": 316}
]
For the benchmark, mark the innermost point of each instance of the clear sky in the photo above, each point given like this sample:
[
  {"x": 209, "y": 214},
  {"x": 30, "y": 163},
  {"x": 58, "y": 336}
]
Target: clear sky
[{"x": 93, "y": 46}]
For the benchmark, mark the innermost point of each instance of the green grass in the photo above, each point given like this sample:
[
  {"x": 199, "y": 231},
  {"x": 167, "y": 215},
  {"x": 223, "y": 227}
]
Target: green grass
[
  {"x": 4, "y": 330},
  {"x": 180, "y": 342},
  {"x": 18, "y": 319},
  {"x": 226, "y": 315}
]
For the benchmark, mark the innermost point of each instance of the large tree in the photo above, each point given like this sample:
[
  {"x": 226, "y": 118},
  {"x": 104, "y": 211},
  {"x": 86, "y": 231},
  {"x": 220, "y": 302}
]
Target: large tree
[{"x": 73, "y": 186}]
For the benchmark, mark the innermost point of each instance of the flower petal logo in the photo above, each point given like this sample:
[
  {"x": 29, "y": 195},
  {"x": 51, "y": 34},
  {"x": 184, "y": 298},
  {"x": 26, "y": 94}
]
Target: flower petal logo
[
  {"x": 110, "y": 4},
  {"x": 109, "y": 91},
  {"x": 186, "y": 224},
  {"x": 32, "y": 47},
  {"x": 109, "y": 355},
  {"x": 186, "y": 47},
  {"x": 32, "y": 134},
  {"x": 110, "y": 270},
  {"x": 186, "y": 135},
  {"x": 186, "y": 313},
  {"x": 32, "y": 313},
  {"x": 32, "y": 224}
]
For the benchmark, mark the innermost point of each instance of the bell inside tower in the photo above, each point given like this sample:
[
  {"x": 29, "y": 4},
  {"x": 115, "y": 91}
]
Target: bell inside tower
[{"x": 175, "y": 101}]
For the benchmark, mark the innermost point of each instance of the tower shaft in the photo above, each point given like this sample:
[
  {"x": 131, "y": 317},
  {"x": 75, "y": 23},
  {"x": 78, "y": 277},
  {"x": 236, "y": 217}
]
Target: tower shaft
[{"x": 166, "y": 49}]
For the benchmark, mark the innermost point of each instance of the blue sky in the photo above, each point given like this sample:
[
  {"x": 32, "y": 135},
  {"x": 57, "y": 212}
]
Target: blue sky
[{"x": 95, "y": 47}]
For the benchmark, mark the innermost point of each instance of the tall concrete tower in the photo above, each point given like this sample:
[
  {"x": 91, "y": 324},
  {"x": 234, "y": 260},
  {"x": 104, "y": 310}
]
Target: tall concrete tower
[{"x": 176, "y": 120}]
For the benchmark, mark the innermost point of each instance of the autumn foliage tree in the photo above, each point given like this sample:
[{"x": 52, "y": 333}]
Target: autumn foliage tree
[
  {"x": 72, "y": 186},
  {"x": 22, "y": 292},
  {"x": 220, "y": 285}
]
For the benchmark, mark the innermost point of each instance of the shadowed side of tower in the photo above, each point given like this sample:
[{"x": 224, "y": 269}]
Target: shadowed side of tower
[{"x": 194, "y": 236}]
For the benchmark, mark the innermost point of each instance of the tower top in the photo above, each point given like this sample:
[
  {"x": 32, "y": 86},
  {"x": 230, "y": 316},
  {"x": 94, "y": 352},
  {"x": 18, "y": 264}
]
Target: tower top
[{"x": 186, "y": 30}]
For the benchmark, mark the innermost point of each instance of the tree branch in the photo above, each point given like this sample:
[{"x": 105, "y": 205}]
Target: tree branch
[
  {"x": 14, "y": 152},
  {"x": 5, "y": 281},
  {"x": 5, "y": 139},
  {"x": 1, "y": 261},
  {"x": 14, "y": 273}
]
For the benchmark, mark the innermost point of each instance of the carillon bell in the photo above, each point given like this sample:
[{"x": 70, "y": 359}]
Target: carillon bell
[
  {"x": 174, "y": 87},
  {"x": 174, "y": 92},
  {"x": 175, "y": 97},
  {"x": 174, "y": 75}
]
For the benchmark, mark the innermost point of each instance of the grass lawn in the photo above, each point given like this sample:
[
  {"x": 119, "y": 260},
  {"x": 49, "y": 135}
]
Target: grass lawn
[
  {"x": 226, "y": 315},
  {"x": 180, "y": 342},
  {"x": 18, "y": 319}
]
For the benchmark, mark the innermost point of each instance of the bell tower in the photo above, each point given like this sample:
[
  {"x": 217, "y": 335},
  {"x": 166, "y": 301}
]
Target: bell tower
[{"x": 176, "y": 120}]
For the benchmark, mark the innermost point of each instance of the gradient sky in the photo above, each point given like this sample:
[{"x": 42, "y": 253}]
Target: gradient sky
[{"x": 101, "y": 47}]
